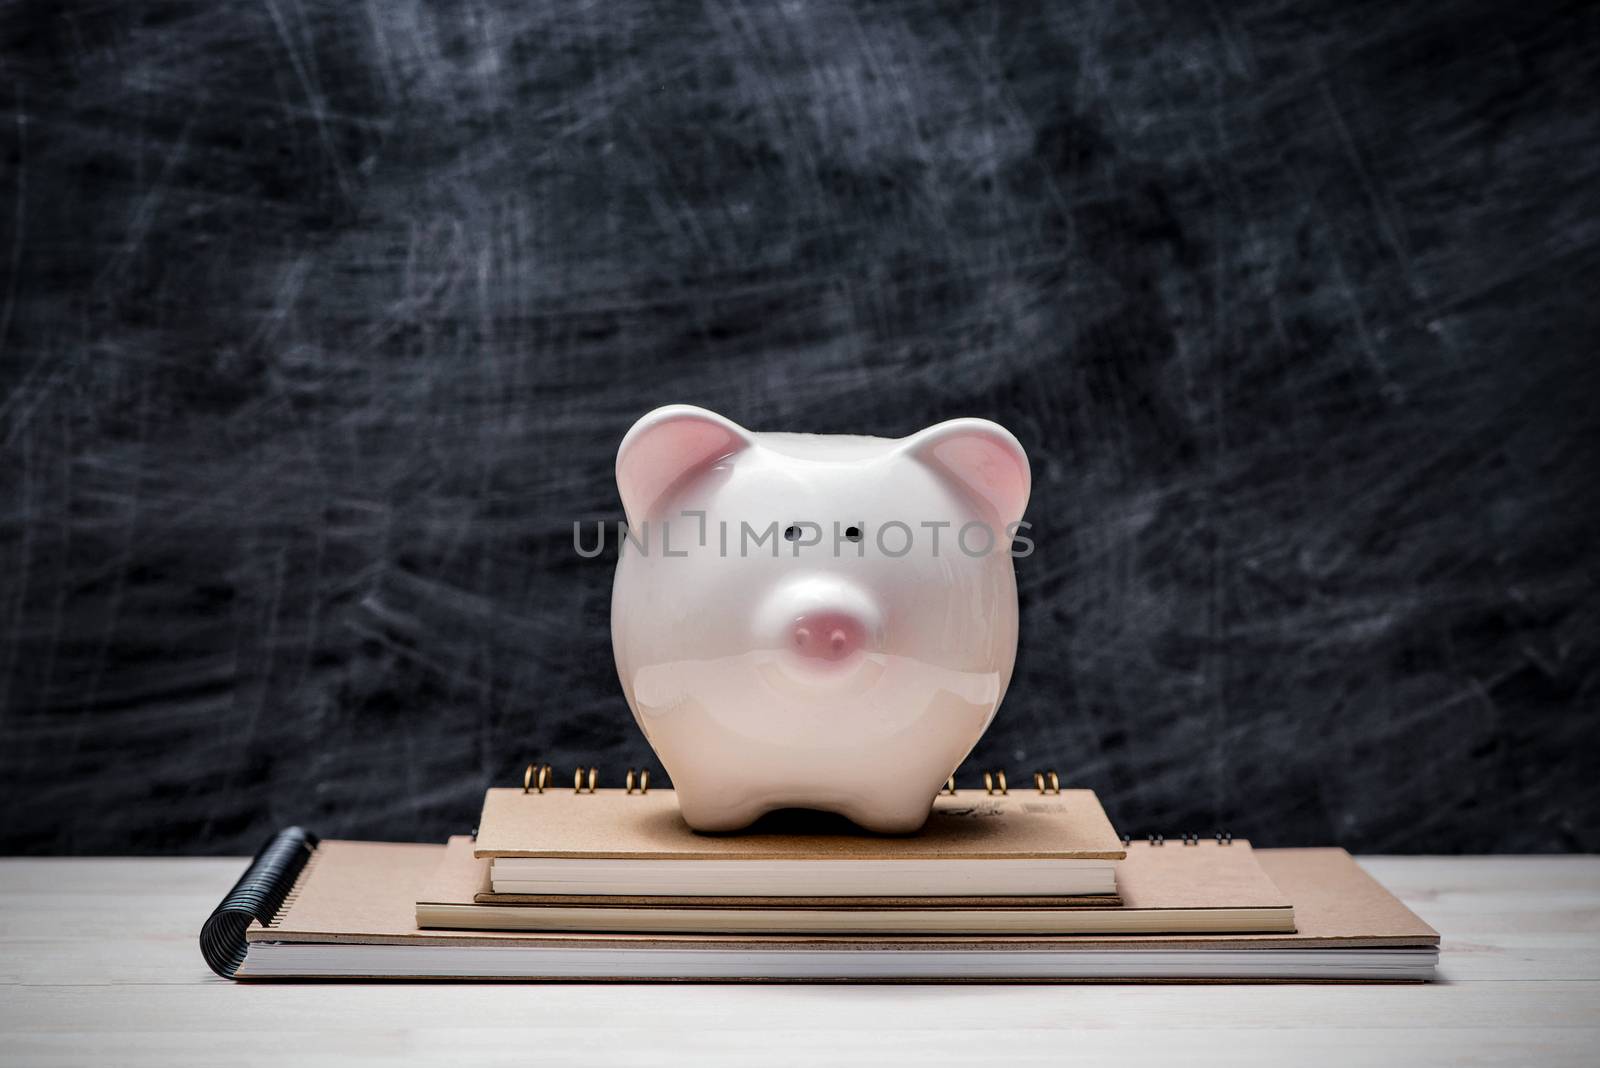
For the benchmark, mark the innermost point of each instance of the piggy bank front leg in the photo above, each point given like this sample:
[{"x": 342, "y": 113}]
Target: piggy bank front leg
[
  {"x": 717, "y": 807},
  {"x": 896, "y": 807}
]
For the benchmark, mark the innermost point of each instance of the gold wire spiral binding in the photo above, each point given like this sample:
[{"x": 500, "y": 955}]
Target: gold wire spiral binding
[
  {"x": 535, "y": 777},
  {"x": 1224, "y": 838}
]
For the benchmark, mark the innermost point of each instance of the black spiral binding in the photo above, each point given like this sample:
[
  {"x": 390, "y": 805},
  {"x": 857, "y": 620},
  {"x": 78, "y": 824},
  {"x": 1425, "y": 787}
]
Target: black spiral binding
[{"x": 256, "y": 896}]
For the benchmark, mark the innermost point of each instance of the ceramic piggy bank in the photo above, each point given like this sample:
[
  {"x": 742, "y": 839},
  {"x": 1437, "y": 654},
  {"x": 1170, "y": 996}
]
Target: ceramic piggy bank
[{"x": 811, "y": 621}]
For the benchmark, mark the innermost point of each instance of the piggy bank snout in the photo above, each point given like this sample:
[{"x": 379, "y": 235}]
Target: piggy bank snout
[
  {"x": 828, "y": 635},
  {"x": 821, "y": 621}
]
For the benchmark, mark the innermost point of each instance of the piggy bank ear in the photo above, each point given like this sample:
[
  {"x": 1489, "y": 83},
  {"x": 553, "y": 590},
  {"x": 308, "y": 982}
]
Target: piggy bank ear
[
  {"x": 666, "y": 446},
  {"x": 981, "y": 457}
]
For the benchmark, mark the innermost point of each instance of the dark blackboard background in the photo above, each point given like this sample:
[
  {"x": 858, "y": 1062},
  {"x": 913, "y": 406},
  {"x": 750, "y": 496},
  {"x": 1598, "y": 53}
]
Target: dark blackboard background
[{"x": 322, "y": 321}]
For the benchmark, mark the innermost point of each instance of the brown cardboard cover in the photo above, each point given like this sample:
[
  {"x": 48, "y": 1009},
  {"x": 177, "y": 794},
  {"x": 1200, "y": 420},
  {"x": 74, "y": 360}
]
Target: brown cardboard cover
[
  {"x": 1070, "y": 825},
  {"x": 1206, "y": 876},
  {"x": 367, "y": 891},
  {"x": 1190, "y": 888},
  {"x": 484, "y": 895}
]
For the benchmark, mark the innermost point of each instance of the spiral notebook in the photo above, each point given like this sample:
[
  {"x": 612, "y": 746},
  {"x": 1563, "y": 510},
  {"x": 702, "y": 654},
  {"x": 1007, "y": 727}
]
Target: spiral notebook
[
  {"x": 558, "y": 843},
  {"x": 1201, "y": 886},
  {"x": 309, "y": 909}
]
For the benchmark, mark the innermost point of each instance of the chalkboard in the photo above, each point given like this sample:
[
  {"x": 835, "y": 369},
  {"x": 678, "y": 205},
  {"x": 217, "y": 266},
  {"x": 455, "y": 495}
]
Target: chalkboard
[{"x": 322, "y": 322}]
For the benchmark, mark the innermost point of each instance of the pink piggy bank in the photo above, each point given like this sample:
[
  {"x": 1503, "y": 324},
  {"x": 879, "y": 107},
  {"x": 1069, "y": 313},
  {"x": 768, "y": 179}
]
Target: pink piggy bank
[{"x": 815, "y": 621}]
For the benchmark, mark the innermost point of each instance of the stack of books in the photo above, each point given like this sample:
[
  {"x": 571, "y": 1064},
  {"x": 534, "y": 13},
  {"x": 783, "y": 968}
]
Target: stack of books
[{"x": 1000, "y": 885}]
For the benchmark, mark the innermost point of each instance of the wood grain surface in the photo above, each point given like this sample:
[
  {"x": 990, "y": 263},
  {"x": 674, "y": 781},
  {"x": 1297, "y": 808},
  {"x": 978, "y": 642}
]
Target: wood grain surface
[{"x": 98, "y": 964}]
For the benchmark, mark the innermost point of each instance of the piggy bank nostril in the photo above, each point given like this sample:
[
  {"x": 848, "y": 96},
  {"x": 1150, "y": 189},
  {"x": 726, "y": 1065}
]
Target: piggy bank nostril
[{"x": 827, "y": 635}]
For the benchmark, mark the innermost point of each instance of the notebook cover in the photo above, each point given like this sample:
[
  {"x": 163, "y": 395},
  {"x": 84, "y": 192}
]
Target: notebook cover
[
  {"x": 483, "y": 894},
  {"x": 366, "y": 892},
  {"x": 1207, "y": 877},
  {"x": 613, "y": 824}
]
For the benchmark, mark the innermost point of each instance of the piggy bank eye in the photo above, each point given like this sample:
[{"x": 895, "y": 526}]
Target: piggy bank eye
[
  {"x": 853, "y": 533},
  {"x": 790, "y": 533}
]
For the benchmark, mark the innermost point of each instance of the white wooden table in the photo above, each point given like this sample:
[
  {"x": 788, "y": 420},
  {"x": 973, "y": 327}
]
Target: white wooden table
[{"x": 99, "y": 965}]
